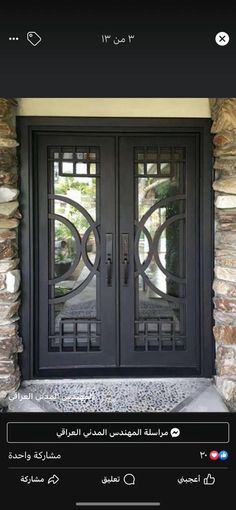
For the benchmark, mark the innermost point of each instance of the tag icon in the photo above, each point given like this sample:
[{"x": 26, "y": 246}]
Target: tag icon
[{"x": 33, "y": 38}]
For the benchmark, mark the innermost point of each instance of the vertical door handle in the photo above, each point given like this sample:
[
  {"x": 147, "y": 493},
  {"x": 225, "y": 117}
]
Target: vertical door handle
[
  {"x": 125, "y": 256},
  {"x": 109, "y": 247}
]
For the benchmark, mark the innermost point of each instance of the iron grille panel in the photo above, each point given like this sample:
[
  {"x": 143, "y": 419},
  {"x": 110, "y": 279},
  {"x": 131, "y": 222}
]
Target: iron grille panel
[
  {"x": 77, "y": 335},
  {"x": 158, "y": 335}
]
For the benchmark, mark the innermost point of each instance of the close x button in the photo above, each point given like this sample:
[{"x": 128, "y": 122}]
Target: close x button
[{"x": 222, "y": 38}]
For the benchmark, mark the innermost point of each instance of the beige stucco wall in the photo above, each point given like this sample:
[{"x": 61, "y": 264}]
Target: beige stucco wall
[{"x": 115, "y": 107}]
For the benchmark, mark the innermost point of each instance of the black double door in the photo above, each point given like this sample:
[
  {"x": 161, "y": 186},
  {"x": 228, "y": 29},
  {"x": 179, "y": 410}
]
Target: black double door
[{"x": 117, "y": 252}]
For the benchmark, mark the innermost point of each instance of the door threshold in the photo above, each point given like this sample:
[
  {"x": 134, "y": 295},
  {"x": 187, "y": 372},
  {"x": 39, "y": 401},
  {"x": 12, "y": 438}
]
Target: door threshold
[{"x": 106, "y": 395}]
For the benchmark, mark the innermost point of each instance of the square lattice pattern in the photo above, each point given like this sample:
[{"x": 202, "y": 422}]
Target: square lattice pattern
[
  {"x": 158, "y": 335},
  {"x": 77, "y": 335}
]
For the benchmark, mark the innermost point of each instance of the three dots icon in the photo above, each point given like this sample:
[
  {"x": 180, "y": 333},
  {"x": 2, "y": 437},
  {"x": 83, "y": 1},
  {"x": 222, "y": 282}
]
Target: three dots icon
[{"x": 13, "y": 38}]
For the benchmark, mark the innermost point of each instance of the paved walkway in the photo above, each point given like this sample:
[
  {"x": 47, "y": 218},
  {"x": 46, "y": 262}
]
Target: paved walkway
[{"x": 118, "y": 395}]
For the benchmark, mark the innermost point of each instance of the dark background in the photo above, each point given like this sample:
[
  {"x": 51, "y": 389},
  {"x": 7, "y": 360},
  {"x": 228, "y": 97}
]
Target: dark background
[
  {"x": 155, "y": 466},
  {"x": 174, "y": 53}
]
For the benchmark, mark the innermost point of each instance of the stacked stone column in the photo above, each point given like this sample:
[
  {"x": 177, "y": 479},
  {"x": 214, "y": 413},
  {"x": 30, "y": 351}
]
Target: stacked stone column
[
  {"x": 10, "y": 343},
  {"x": 224, "y": 128}
]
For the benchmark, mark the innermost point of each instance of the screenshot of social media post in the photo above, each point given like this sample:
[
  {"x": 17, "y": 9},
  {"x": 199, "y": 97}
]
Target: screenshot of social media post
[{"x": 118, "y": 256}]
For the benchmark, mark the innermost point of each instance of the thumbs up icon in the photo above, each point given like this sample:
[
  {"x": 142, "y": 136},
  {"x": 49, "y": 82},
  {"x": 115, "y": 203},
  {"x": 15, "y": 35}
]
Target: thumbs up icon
[{"x": 209, "y": 480}]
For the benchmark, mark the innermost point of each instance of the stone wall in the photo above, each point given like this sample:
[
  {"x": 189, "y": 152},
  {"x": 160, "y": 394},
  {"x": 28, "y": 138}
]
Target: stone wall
[
  {"x": 10, "y": 343},
  {"x": 224, "y": 128}
]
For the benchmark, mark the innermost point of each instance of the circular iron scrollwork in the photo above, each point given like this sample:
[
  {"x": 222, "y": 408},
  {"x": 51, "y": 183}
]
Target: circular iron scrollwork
[
  {"x": 81, "y": 248},
  {"x": 153, "y": 247}
]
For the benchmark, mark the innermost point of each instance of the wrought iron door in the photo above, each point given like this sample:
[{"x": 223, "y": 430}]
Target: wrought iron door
[
  {"x": 76, "y": 255},
  {"x": 159, "y": 263},
  {"x": 117, "y": 252}
]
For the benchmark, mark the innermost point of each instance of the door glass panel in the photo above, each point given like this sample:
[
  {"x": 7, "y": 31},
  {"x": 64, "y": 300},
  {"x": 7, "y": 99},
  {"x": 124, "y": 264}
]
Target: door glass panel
[
  {"x": 81, "y": 168},
  {"x": 165, "y": 169},
  {"x": 140, "y": 168},
  {"x": 67, "y": 168},
  {"x": 152, "y": 168},
  {"x": 74, "y": 283},
  {"x": 165, "y": 154},
  {"x": 93, "y": 168},
  {"x": 92, "y": 155},
  {"x": 67, "y": 155},
  {"x": 151, "y": 155},
  {"x": 81, "y": 155},
  {"x": 64, "y": 248},
  {"x": 160, "y": 252},
  {"x": 139, "y": 154}
]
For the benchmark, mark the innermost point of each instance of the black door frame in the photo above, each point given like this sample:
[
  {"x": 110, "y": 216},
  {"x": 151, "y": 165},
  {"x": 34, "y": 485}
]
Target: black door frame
[{"x": 29, "y": 129}]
